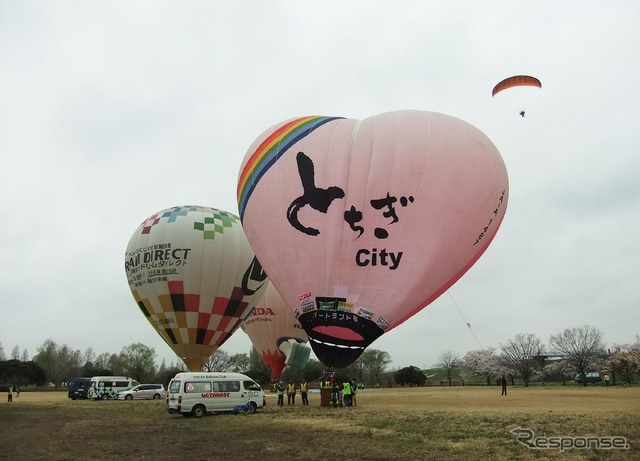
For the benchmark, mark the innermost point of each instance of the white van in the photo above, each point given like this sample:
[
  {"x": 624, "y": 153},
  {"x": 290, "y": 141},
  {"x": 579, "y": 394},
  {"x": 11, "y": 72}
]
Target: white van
[
  {"x": 199, "y": 393},
  {"x": 108, "y": 387}
]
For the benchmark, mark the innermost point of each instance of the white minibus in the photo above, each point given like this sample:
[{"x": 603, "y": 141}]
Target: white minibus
[
  {"x": 108, "y": 387},
  {"x": 195, "y": 394}
]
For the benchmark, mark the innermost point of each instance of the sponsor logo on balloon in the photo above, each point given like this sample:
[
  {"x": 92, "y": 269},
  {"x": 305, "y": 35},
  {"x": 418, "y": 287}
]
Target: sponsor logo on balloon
[
  {"x": 262, "y": 311},
  {"x": 354, "y": 216},
  {"x": 254, "y": 273},
  {"x": 345, "y": 306},
  {"x": 365, "y": 258},
  {"x": 165, "y": 321},
  {"x": 495, "y": 214},
  {"x": 336, "y": 316},
  {"x": 320, "y": 199},
  {"x": 146, "y": 256}
]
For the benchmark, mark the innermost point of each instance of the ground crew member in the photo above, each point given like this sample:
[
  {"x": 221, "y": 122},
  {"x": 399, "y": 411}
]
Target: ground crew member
[
  {"x": 346, "y": 392},
  {"x": 304, "y": 388},
  {"x": 291, "y": 393},
  {"x": 280, "y": 393},
  {"x": 335, "y": 394},
  {"x": 354, "y": 391}
]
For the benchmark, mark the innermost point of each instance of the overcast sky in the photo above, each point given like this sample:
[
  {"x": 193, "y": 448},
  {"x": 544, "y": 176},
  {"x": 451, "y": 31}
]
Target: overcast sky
[{"x": 111, "y": 111}]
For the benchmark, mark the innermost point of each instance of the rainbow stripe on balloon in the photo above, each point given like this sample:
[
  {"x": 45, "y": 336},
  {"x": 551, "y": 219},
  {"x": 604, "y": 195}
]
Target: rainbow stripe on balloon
[{"x": 271, "y": 149}]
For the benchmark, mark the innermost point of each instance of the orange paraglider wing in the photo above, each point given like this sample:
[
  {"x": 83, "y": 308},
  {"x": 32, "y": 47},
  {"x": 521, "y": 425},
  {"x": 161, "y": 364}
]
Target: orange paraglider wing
[{"x": 516, "y": 80}]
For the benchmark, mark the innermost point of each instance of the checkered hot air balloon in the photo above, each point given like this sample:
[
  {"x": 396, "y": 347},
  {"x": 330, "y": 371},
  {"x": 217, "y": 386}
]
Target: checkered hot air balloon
[{"x": 194, "y": 277}]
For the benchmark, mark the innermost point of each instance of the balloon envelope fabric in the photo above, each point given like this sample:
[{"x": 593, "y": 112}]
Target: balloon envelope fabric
[
  {"x": 194, "y": 277},
  {"x": 362, "y": 223},
  {"x": 270, "y": 325}
]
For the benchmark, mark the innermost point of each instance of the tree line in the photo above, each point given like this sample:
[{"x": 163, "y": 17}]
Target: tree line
[
  {"x": 56, "y": 365},
  {"x": 570, "y": 354},
  {"x": 574, "y": 351}
]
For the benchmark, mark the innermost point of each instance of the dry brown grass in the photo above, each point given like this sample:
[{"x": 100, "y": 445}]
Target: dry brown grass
[{"x": 465, "y": 423}]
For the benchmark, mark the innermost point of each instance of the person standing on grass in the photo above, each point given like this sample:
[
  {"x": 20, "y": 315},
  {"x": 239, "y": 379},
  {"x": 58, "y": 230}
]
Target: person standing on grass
[
  {"x": 503, "y": 381},
  {"x": 280, "y": 393},
  {"x": 291, "y": 393},
  {"x": 10, "y": 394},
  {"x": 354, "y": 391},
  {"x": 346, "y": 392},
  {"x": 304, "y": 388},
  {"x": 335, "y": 394}
]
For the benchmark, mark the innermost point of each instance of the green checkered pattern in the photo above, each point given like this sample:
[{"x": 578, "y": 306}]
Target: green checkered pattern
[{"x": 216, "y": 223}]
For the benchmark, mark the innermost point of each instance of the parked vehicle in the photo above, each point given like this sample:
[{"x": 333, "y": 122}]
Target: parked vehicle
[
  {"x": 108, "y": 387},
  {"x": 143, "y": 391},
  {"x": 592, "y": 377},
  {"x": 195, "y": 394},
  {"x": 79, "y": 387}
]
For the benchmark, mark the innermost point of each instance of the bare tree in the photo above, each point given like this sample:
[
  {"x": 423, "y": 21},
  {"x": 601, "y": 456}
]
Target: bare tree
[
  {"x": 58, "y": 362},
  {"x": 356, "y": 370},
  {"x": 447, "y": 361},
  {"x": 218, "y": 361},
  {"x": 115, "y": 364},
  {"x": 88, "y": 356},
  {"x": 15, "y": 353},
  {"x": 2, "y": 356},
  {"x": 520, "y": 355},
  {"x": 580, "y": 347},
  {"x": 103, "y": 362}
]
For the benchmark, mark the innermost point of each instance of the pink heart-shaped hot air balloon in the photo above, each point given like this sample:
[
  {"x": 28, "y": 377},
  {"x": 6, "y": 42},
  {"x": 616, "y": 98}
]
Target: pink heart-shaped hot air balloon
[{"x": 360, "y": 224}]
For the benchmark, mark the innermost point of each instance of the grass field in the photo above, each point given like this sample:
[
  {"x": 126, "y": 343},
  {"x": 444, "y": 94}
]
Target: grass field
[{"x": 436, "y": 423}]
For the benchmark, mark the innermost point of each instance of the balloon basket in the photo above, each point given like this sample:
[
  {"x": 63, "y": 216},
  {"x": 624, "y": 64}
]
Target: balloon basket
[{"x": 325, "y": 397}]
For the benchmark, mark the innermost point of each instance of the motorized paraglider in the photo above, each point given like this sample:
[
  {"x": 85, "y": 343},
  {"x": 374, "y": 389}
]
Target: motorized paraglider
[
  {"x": 276, "y": 334},
  {"x": 194, "y": 277},
  {"x": 360, "y": 224},
  {"x": 516, "y": 81}
]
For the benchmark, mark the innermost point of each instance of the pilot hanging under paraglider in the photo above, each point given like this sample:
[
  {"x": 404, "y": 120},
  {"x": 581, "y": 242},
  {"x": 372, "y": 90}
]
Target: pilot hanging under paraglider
[{"x": 516, "y": 80}]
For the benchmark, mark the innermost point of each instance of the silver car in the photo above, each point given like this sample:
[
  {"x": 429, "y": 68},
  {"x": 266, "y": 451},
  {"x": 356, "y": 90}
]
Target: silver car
[{"x": 143, "y": 391}]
